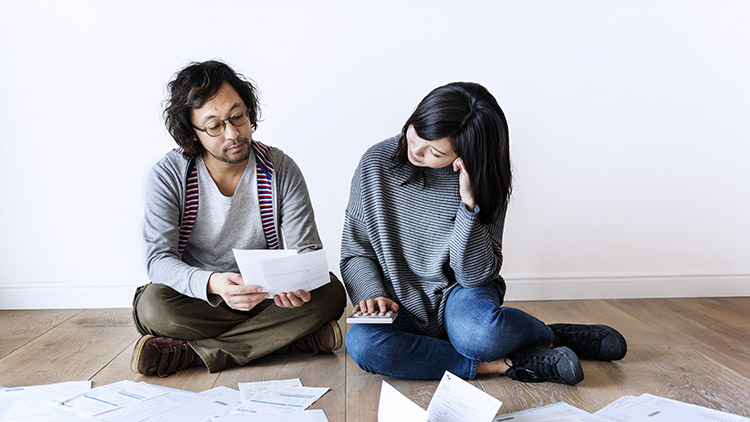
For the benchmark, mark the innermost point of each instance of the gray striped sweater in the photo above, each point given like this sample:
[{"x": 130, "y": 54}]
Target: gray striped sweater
[{"x": 411, "y": 243}]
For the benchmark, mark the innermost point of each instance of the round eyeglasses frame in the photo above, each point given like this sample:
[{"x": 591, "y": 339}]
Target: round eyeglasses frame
[{"x": 237, "y": 119}]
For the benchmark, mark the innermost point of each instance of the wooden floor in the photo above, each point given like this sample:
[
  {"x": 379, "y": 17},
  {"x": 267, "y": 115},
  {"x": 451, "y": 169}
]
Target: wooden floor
[{"x": 693, "y": 350}]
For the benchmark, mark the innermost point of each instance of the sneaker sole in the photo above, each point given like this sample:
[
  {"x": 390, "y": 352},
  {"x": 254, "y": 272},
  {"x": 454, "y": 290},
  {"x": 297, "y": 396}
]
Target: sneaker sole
[
  {"x": 338, "y": 338},
  {"x": 137, "y": 353}
]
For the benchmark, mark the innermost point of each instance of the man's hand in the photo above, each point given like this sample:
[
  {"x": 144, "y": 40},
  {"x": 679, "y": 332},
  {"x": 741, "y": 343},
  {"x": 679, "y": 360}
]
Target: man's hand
[
  {"x": 234, "y": 291},
  {"x": 376, "y": 304},
  {"x": 292, "y": 300}
]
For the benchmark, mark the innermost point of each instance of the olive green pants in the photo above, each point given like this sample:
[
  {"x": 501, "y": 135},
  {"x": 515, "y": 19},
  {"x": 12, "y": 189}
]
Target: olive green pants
[{"x": 224, "y": 337}]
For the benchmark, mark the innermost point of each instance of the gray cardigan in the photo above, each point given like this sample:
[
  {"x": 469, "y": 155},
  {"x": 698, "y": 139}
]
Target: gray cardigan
[{"x": 165, "y": 204}]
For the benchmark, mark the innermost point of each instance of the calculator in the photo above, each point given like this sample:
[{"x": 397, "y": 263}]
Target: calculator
[{"x": 372, "y": 318}]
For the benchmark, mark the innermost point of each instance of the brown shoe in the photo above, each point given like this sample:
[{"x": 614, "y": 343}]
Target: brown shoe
[
  {"x": 161, "y": 356},
  {"x": 327, "y": 338}
]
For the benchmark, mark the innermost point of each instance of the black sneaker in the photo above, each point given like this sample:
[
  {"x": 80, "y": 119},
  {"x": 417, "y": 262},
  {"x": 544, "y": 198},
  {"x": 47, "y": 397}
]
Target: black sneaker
[
  {"x": 598, "y": 342},
  {"x": 539, "y": 363}
]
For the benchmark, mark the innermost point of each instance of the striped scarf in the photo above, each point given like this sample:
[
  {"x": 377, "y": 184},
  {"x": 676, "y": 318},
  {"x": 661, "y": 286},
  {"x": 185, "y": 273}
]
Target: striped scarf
[{"x": 264, "y": 171}]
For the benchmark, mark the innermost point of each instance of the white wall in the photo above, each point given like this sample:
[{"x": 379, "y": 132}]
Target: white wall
[{"x": 629, "y": 129}]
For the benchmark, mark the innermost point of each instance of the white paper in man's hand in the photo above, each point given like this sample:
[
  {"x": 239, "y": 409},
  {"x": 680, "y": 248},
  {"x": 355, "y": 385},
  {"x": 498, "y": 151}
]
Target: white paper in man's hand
[
  {"x": 248, "y": 261},
  {"x": 284, "y": 270}
]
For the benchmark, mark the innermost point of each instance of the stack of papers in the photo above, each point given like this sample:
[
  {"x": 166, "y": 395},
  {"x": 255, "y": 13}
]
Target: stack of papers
[
  {"x": 643, "y": 408},
  {"x": 456, "y": 401},
  {"x": 127, "y": 401},
  {"x": 34, "y": 403},
  {"x": 558, "y": 412},
  {"x": 649, "y": 408},
  {"x": 276, "y": 397}
]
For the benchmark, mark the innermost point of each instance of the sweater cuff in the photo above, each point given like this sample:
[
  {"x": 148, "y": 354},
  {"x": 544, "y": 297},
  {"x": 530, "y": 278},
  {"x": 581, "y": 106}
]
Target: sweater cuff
[
  {"x": 199, "y": 287},
  {"x": 371, "y": 295},
  {"x": 471, "y": 214}
]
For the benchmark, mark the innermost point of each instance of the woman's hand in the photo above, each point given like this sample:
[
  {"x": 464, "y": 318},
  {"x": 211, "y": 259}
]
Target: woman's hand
[
  {"x": 377, "y": 304},
  {"x": 464, "y": 183}
]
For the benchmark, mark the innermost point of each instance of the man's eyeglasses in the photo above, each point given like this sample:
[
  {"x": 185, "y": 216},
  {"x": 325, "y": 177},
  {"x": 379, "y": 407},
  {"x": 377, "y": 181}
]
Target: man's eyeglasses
[{"x": 216, "y": 127}]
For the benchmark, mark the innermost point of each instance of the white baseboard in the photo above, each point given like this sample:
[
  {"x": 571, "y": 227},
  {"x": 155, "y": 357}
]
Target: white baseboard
[
  {"x": 571, "y": 287},
  {"x": 66, "y": 295}
]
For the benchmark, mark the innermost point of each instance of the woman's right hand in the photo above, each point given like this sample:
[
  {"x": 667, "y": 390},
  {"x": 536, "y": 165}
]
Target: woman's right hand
[
  {"x": 464, "y": 184},
  {"x": 376, "y": 304}
]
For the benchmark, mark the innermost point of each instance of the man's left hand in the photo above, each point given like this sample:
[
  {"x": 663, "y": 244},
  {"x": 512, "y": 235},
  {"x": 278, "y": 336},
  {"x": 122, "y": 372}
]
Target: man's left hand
[{"x": 292, "y": 300}]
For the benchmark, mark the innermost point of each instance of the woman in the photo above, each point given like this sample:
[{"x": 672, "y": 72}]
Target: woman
[{"x": 423, "y": 236}]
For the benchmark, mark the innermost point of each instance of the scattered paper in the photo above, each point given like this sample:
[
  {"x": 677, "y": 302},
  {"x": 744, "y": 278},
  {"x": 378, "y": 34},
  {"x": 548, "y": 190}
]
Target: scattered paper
[
  {"x": 396, "y": 407},
  {"x": 109, "y": 397},
  {"x": 249, "y": 386},
  {"x": 558, "y": 412},
  {"x": 276, "y": 396},
  {"x": 458, "y": 401},
  {"x": 282, "y": 270},
  {"x": 207, "y": 406},
  {"x": 649, "y": 408},
  {"x": 33, "y": 403},
  {"x": 455, "y": 400},
  {"x": 161, "y": 404},
  {"x": 60, "y": 389},
  {"x": 314, "y": 415}
]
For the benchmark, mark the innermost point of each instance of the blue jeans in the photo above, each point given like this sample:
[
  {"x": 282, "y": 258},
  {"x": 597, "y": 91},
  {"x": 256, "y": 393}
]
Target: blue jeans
[{"x": 478, "y": 327}]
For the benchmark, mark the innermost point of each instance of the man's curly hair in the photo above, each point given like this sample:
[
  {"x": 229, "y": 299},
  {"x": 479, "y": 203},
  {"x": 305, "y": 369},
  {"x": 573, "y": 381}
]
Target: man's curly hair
[{"x": 191, "y": 88}]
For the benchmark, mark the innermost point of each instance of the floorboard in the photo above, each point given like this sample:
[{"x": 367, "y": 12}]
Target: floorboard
[
  {"x": 21, "y": 327},
  {"x": 713, "y": 334},
  {"x": 693, "y": 350}
]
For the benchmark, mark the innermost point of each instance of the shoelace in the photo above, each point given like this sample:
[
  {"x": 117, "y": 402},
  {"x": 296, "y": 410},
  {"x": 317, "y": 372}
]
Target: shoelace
[
  {"x": 533, "y": 369},
  {"x": 586, "y": 342}
]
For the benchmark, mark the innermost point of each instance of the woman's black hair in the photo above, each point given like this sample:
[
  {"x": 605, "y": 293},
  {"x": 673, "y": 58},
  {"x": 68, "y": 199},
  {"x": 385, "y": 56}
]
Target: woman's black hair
[
  {"x": 471, "y": 118},
  {"x": 191, "y": 88}
]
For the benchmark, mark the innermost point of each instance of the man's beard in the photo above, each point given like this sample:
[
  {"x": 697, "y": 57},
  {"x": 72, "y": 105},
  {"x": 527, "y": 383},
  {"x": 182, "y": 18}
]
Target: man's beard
[{"x": 225, "y": 159}]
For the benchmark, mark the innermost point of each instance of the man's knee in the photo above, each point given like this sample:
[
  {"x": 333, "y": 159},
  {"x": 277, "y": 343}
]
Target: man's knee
[{"x": 151, "y": 311}]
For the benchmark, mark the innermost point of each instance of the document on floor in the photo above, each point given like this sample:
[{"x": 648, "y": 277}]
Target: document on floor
[
  {"x": 109, "y": 397},
  {"x": 396, "y": 407},
  {"x": 282, "y": 270},
  {"x": 649, "y": 408},
  {"x": 33, "y": 403},
  {"x": 458, "y": 401},
  {"x": 455, "y": 400},
  {"x": 207, "y": 406},
  {"x": 276, "y": 396},
  {"x": 313, "y": 415},
  {"x": 558, "y": 412},
  {"x": 172, "y": 399}
]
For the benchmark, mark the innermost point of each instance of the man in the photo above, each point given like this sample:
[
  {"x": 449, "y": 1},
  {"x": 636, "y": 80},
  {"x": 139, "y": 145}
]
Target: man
[{"x": 221, "y": 190}]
